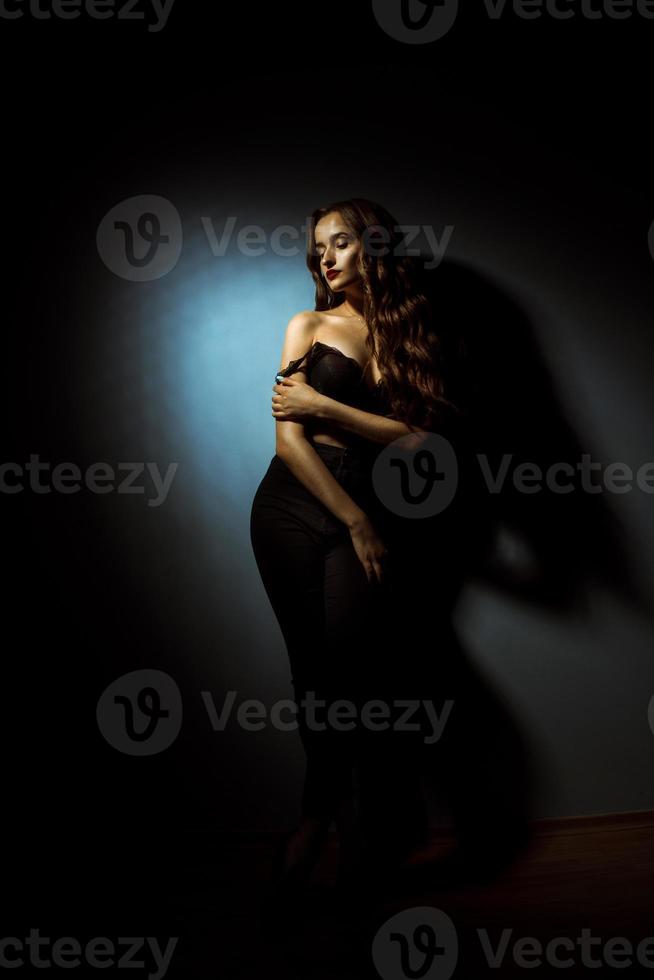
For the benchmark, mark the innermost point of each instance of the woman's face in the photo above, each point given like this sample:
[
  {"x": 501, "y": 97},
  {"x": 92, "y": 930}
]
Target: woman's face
[{"x": 338, "y": 249}]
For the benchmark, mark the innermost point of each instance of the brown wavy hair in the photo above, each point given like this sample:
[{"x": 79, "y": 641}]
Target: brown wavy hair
[{"x": 402, "y": 335}]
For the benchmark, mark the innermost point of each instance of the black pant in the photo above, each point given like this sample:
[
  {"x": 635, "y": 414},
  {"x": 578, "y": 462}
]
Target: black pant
[
  {"x": 349, "y": 639},
  {"x": 328, "y": 612}
]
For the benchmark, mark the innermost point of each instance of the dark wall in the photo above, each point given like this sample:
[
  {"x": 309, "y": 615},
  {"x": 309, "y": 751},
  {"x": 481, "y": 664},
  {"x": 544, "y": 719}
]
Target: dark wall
[{"x": 527, "y": 138}]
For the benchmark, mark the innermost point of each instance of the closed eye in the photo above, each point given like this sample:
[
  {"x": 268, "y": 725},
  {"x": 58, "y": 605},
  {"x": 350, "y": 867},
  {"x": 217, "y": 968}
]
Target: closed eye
[{"x": 340, "y": 245}]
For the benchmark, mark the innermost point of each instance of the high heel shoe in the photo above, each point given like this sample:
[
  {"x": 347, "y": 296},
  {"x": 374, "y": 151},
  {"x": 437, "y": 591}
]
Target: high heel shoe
[
  {"x": 353, "y": 878},
  {"x": 281, "y": 875},
  {"x": 284, "y": 900},
  {"x": 307, "y": 852}
]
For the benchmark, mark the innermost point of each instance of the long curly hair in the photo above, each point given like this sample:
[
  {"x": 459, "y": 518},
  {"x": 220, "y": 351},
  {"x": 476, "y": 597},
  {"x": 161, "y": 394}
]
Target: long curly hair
[{"x": 402, "y": 336}]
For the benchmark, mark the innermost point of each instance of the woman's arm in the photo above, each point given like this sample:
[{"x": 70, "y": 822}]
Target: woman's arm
[
  {"x": 295, "y": 400},
  {"x": 375, "y": 428},
  {"x": 304, "y": 463},
  {"x": 292, "y": 445}
]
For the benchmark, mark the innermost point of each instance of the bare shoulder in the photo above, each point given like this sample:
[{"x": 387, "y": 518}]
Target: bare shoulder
[
  {"x": 299, "y": 335},
  {"x": 301, "y": 326},
  {"x": 298, "y": 338}
]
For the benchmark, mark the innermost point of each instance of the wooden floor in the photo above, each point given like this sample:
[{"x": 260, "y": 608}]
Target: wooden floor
[{"x": 594, "y": 873}]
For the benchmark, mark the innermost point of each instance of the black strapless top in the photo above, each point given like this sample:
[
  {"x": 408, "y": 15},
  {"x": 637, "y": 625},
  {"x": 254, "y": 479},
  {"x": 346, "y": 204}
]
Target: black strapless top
[{"x": 334, "y": 374}]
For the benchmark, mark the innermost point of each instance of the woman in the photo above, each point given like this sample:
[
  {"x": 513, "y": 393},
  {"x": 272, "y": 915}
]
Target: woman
[{"x": 358, "y": 372}]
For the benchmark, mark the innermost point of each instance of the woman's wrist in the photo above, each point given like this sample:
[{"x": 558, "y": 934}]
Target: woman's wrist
[
  {"x": 322, "y": 407},
  {"x": 356, "y": 518}
]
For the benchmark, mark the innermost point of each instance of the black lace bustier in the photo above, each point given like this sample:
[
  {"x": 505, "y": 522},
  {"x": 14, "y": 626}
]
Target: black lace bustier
[{"x": 334, "y": 374}]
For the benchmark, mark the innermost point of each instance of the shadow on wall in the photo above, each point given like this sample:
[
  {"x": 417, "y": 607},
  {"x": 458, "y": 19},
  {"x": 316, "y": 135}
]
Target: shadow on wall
[
  {"x": 481, "y": 770},
  {"x": 496, "y": 370}
]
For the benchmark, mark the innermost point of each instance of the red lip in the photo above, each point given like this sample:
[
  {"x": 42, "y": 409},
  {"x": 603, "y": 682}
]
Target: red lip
[{"x": 332, "y": 274}]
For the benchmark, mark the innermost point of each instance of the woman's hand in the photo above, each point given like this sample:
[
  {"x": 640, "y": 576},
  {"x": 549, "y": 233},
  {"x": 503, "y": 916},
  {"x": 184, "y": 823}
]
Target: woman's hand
[
  {"x": 294, "y": 400},
  {"x": 370, "y": 549}
]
